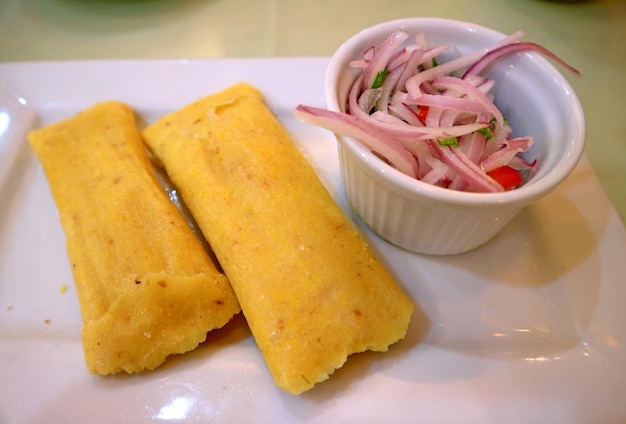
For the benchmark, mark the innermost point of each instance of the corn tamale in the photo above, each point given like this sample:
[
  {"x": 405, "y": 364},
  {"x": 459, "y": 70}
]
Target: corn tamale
[
  {"x": 145, "y": 284},
  {"x": 309, "y": 286}
]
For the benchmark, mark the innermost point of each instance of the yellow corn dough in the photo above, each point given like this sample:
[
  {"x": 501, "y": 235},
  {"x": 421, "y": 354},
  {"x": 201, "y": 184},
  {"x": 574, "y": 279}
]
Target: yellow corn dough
[
  {"x": 145, "y": 284},
  {"x": 308, "y": 284}
]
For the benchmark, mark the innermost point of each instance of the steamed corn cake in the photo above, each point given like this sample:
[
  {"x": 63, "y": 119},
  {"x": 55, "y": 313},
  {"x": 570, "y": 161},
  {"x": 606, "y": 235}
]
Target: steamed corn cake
[
  {"x": 309, "y": 286},
  {"x": 145, "y": 284}
]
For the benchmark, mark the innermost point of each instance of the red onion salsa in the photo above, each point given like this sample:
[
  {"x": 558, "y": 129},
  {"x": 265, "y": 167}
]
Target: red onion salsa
[{"x": 434, "y": 122}]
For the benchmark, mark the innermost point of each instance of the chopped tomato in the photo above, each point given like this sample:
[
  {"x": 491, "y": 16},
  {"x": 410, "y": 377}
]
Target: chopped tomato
[
  {"x": 507, "y": 177},
  {"x": 421, "y": 115}
]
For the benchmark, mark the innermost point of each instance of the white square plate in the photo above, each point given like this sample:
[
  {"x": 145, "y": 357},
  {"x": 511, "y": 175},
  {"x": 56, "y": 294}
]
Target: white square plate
[{"x": 529, "y": 328}]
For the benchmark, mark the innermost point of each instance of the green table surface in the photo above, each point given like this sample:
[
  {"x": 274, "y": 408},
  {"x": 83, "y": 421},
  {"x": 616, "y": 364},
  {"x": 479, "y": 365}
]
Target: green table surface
[{"x": 590, "y": 35}]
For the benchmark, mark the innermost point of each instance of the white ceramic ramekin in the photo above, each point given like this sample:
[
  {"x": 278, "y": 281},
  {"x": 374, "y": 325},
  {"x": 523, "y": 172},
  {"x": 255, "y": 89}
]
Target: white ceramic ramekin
[{"x": 534, "y": 97}]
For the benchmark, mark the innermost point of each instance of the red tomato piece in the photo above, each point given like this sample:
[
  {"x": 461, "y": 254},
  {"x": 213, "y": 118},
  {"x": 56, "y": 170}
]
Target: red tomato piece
[
  {"x": 421, "y": 115},
  {"x": 507, "y": 177}
]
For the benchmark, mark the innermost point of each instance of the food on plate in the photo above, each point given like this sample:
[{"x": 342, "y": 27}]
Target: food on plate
[
  {"x": 146, "y": 286},
  {"x": 436, "y": 122},
  {"x": 309, "y": 286}
]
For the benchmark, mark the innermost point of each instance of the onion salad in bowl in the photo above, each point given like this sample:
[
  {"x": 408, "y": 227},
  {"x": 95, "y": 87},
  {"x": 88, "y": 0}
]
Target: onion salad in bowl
[{"x": 436, "y": 122}]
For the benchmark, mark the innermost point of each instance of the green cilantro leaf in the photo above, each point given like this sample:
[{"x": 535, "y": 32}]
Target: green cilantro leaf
[
  {"x": 450, "y": 141},
  {"x": 486, "y": 131},
  {"x": 380, "y": 77}
]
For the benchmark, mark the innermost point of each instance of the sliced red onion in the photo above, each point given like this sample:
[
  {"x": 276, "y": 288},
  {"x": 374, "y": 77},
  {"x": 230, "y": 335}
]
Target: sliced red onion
[
  {"x": 368, "y": 99},
  {"x": 405, "y": 131},
  {"x": 425, "y": 122},
  {"x": 464, "y": 87},
  {"x": 388, "y": 87},
  {"x": 448, "y": 102},
  {"x": 473, "y": 146},
  {"x": 520, "y": 164},
  {"x": 409, "y": 67},
  {"x": 371, "y": 136},
  {"x": 517, "y": 47},
  {"x": 413, "y": 84},
  {"x": 437, "y": 172},
  {"x": 408, "y": 132},
  {"x": 381, "y": 57},
  {"x": 406, "y": 113},
  {"x": 503, "y": 156},
  {"x": 467, "y": 169}
]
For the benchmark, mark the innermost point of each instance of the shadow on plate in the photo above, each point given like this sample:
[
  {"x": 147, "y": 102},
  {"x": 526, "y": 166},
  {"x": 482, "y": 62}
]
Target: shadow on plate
[
  {"x": 542, "y": 243},
  {"x": 359, "y": 366},
  {"x": 529, "y": 294},
  {"x": 235, "y": 332}
]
